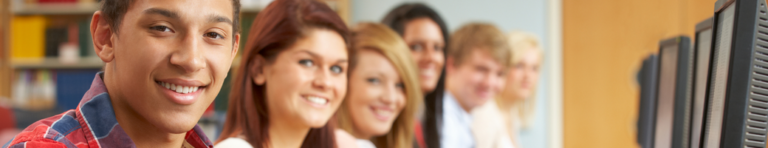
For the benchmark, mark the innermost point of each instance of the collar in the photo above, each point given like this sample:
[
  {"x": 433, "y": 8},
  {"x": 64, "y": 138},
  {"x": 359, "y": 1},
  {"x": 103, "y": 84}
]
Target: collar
[
  {"x": 95, "y": 112},
  {"x": 452, "y": 108}
]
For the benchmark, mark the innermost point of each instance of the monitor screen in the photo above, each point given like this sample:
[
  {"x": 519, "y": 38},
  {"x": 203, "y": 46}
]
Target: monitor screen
[
  {"x": 719, "y": 77},
  {"x": 701, "y": 74},
  {"x": 666, "y": 96}
]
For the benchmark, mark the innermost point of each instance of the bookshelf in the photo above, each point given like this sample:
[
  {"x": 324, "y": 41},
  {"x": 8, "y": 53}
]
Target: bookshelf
[
  {"x": 33, "y": 34},
  {"x": 56, "y": 9},
  {"x": 55, "y": 63},
  {"x": 5, "y": 79}
]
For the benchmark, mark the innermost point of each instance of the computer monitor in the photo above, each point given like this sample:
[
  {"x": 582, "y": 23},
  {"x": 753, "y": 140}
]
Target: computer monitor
[
  {"x": 702, "y": 53},
  {"x": 673, "y": 98},
  {"x": 739, "y": 88},
  {"x": 647, "y": 77}
]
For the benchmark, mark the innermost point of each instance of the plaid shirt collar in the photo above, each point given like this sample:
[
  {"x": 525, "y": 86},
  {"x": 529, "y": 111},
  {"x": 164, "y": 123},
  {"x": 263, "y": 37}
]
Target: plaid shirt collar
[
  {"x": 95, "y": 112},
  {"x": 92, "y": 125}
]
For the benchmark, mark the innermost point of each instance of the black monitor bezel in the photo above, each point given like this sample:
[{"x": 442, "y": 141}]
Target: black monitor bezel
[
  {"x": 707, "y": 24},
  {"x": 740, "y": 69},
  {"x": 681, "y": 101}
]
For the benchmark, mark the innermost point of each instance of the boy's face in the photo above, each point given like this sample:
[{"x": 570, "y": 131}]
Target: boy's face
[
  {"x": 476, "y": 80},
  {"x": 171, "y": 58}
]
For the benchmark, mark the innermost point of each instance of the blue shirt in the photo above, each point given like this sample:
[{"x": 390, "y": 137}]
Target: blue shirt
[{"x": 456, "y": 131}]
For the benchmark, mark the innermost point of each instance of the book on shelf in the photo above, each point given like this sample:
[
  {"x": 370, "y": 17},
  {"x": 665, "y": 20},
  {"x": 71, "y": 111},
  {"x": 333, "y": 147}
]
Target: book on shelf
[
  {"x": 36, "y": 37},
  {"x": 34, "y": 90},
  {"x": 28, "y": 36},
  {"x": 44, "y": 89},
  {"x": 84, "y": 38},
  {"x": 54, "y": 37}
]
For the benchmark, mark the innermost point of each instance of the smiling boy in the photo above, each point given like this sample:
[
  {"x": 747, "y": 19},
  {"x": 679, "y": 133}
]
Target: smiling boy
[
  {"x": 166, "y": 61},
  {"x": 476, "y": 66}
]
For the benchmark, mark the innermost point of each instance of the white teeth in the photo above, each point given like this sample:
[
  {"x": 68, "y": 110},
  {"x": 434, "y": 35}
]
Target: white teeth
[
  {"x": 179, "y": 88},
  {"x": 317, "y": 100},
  {"x": 381, "y": 112},
  {"x": 428, "y": 72}
]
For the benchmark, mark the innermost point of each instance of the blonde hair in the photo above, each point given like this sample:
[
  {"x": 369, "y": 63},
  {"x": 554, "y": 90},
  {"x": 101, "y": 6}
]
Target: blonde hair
[
  {"x": 521, "y": 42},
  {"x": 479, "y": 36},
  {"x": 379, "y": 38}
]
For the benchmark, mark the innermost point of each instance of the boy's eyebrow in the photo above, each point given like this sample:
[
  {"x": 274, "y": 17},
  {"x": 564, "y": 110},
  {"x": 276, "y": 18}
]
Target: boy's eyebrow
[
  {"x": 174, "y": 15},
  {"x": 219, "y": 19},
  {"x": 163, "y": 12}
]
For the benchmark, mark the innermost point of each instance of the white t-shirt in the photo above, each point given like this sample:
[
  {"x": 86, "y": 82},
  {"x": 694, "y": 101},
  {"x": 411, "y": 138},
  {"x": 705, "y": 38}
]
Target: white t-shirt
[
  {"x": 364, "y": 143},
  {"x": 233, "y": 143}
]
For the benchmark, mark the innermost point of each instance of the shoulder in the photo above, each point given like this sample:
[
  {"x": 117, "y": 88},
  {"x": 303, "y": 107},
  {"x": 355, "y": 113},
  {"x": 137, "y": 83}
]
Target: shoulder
[
  {"x": 344, "y": 139},
  {"x": 233, "y": 143},
  {"x": 487, "y": 113},
  {"x": 487, "y": 125},
  {"x": 53, "y": 131}
]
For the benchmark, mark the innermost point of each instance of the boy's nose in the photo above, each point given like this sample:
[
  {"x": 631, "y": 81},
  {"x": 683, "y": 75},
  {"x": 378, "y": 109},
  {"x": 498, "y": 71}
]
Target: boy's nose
[{"x": 188, "y": 56}]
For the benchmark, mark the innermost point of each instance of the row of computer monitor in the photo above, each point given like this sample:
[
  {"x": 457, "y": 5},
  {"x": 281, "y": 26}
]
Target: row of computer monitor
[{"x": 713, "y": 92}]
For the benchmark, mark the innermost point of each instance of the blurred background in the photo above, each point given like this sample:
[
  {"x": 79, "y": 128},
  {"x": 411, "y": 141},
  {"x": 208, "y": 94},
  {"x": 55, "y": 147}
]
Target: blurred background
[{"x": 588, "y": 94}]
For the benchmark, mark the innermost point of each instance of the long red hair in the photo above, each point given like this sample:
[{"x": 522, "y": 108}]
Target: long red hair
[{"x": 275, "y": 28}]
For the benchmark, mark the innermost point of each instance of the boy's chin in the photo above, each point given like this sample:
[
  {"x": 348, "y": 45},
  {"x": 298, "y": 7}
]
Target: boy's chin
[{"x": 177, "y": 125}]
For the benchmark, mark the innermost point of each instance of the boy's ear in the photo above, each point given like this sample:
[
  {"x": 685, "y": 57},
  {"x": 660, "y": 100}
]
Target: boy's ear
[
  {"x": 256, "y": 70},
  {"x": 449, "y": 65},
  {"x": 235, "y": 46},
  {"x": 102, "y": 38}
]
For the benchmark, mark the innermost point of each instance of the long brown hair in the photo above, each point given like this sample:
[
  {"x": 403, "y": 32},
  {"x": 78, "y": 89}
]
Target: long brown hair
[
  {"x": 381, "y": 39},
  {"x": 433, "y": 101},
  {"x": 275, "y": 28}
]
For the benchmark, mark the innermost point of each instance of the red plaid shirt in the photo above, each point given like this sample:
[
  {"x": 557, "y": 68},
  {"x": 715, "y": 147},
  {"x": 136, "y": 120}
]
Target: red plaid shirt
[{"x": 91, "y": 125}]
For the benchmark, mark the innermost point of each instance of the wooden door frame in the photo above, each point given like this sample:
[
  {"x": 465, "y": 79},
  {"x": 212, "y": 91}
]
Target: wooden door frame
[{"x": 555, "y": 61}]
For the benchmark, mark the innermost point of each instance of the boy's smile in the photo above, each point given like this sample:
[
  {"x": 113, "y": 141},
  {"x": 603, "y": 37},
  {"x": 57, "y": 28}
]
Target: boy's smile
[
  {"x": 181, "y": 91},
  {"x": 166, "y": 62}
]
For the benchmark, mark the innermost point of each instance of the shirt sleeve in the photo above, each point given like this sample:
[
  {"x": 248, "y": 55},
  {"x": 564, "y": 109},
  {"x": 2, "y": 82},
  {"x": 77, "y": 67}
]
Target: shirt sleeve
[{"x": 36, "y": 138}]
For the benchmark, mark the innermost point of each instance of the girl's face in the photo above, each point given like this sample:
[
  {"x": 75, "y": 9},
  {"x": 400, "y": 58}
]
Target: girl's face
[
  {"x": 425, "y": 39},
  {"x": 376, "y": 95},
  {"x": 306, "y": 82},
  {"x": 524, "y": 75}
]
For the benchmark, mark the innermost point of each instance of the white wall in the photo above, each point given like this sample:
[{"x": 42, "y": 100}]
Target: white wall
[{"x": 525, "y": 15}]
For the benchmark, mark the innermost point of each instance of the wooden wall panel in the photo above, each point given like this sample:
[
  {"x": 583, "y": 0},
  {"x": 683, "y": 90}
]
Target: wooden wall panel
[{"x": 604, "y": 42}]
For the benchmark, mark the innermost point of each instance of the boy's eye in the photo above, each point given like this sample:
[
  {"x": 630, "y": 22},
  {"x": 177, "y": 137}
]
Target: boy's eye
[
  {"x": 336, "y": 69},
  {"x": 373, "y": 80},
  {"x": 307, "y": 63},
  {"x": 213, "y": 35},
  {"x": 161, "y": 28}
]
